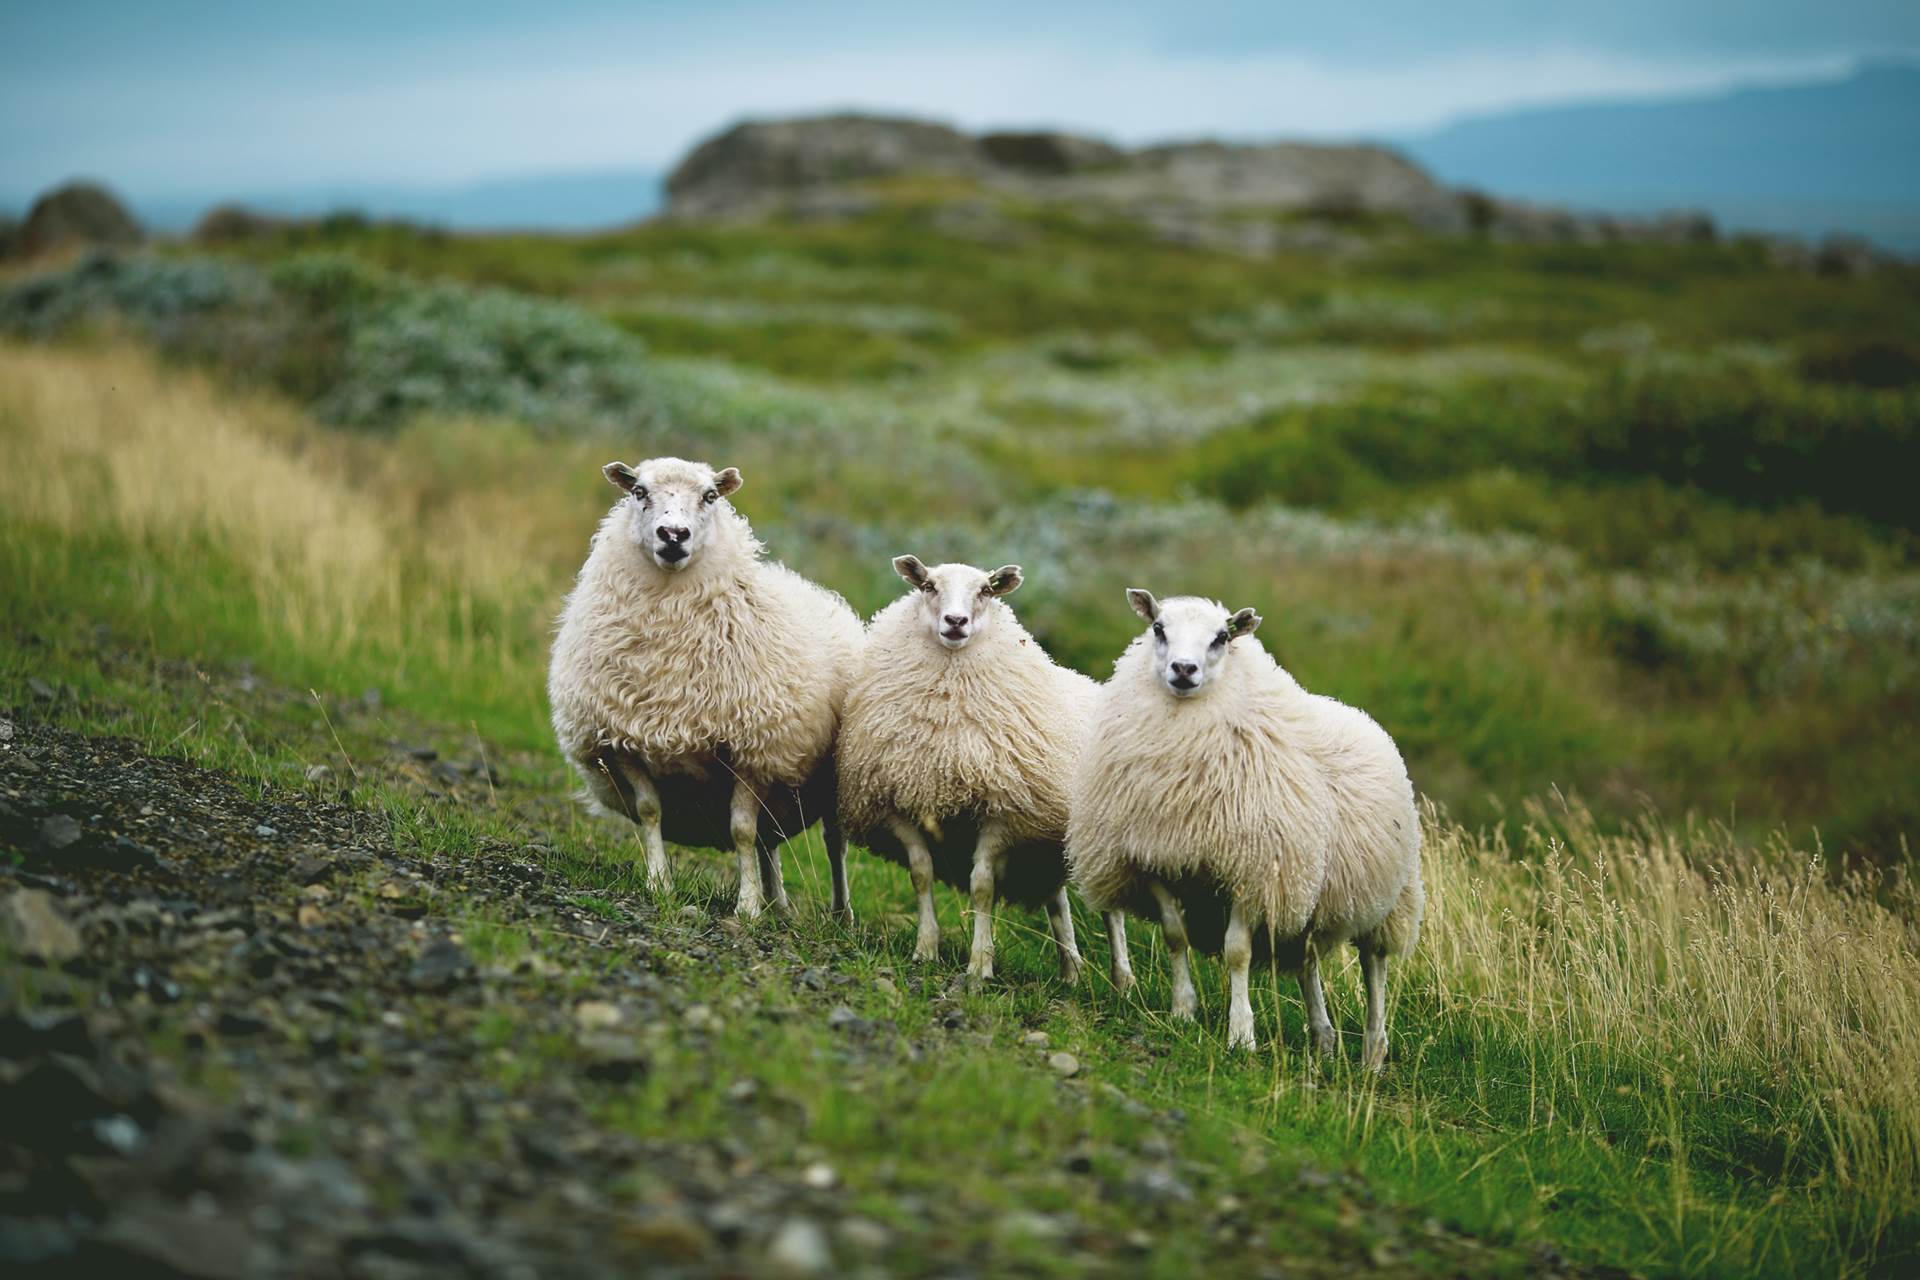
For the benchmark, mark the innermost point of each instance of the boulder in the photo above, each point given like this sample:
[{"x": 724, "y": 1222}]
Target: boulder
[
  {"x": 76, "y": 215},
  {"x": 750, "y": 168}
]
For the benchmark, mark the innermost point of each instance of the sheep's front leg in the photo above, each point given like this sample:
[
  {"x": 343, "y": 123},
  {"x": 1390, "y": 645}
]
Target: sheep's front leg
[
  {"x": 639, "y": 799},
  {"x": 1121, "y": 965},
  {"x": 1238, "y": 954},
  {"x": 1319, "y": 1026},
  {"x": 1373, "y": 967},
  {"x": 926, "y": 945},
  {"x": 1060, "y": 919},
  {"x": 836, "y": 839},
  {"x": 984, "y": 885},
  {"x": 745, "y": 823},
  {"x": 1174, "y": 925}
]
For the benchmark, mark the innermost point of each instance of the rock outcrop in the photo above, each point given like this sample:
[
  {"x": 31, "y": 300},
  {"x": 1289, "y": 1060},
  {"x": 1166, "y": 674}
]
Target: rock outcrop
[{"x": 1207, "y": 194}]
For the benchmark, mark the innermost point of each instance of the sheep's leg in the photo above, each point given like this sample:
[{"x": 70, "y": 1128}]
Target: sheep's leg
[
  {"x": 745, "y": 822},
  {"x": 1319, "y": 1026},
  {"x": 1174, "y": 925},
  {"x": 836, "y": 839},
  {"x": 926, "y": 945},
  {"x": 640, "y": 800},
  {"x": 1373, "y": 967},
  {"x": 1122, "y": 963},
  {"x": 988, "y": 856},
  {"x": 1238, "y": 954},
  {"x": 773, "y": 881},
  {"x": 1060, "y": 918}
]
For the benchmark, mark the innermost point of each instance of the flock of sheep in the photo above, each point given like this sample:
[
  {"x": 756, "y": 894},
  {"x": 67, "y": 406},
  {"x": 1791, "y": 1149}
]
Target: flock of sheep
[{"x": 716, "y": 698}]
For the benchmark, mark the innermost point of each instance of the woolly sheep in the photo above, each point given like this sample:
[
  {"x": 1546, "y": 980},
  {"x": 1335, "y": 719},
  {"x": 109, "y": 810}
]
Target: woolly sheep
[
  {"x": 1218, "y": 796},
  {"x": 956, "y": 749},
  {"x": 696, "y": 687}
]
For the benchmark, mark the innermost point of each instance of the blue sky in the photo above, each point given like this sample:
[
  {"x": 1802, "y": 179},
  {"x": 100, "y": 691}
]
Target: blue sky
[{"x": 186, "y": 97}]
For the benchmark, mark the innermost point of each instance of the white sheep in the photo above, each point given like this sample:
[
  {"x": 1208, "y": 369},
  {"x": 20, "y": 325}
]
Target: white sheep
[
  {"x": 1219, "y": 797},
  {"x": 696, "y": 687},
  {"x": 956, "y": 750}
]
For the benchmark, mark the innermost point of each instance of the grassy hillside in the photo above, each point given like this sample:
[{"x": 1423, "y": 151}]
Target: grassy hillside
[
  {"x": 1614, "y": 541},
  {"x": 1632, "y": 523}
]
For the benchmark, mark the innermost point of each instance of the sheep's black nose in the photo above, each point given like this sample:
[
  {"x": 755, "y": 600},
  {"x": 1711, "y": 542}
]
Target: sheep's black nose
[
  {"x": 1184, "y": 669},
  {"x": 672, "y": 534},
  {"x": 955, "y": 619}
]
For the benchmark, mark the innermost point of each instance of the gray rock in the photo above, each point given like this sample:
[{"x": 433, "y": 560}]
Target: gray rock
[
  {"x": 59, "y": 832},
  {"x": 750, "y": 168},
  {"x": 613, "y": 1057},
  {"x": 440, "y": 965},
  {"x": 1064, "y": 1063},
  {"x": 36, "y": 927},
  {"x": 800, "y": 1247}
]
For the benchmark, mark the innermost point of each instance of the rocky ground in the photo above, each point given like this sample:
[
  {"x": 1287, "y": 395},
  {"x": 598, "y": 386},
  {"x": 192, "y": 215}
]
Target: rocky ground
[{"x": 241, "y": 1036}]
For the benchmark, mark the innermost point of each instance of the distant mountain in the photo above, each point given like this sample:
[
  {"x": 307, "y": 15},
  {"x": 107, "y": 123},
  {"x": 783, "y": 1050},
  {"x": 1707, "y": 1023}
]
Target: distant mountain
[{"x": 1804, "y": 159}]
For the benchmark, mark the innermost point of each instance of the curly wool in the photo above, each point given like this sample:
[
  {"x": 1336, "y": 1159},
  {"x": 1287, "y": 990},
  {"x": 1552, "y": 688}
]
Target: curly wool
[
  {"x": 735, "y": 662},
  {"x": 1290, "y": 803},
  {"x": 988, "y": 731}
]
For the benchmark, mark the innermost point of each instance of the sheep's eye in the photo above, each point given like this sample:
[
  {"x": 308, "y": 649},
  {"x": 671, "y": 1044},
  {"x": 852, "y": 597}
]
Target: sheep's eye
[
  {"x": 711, "y": 495},
  {"x": 927, "y": 587},
  {"x": 1220, "y": 639},
  {"x": 640, "y": 492},
  {"x": 1159, "y": 632}
]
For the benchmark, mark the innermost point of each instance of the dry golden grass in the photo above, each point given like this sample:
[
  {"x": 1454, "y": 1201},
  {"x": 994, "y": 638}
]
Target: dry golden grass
[
  {"x": 337, "y": 543},
  {"x": 1754, "y": 1010}
]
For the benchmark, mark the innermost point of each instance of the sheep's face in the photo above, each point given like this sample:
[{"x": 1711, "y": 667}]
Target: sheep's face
[
  {"x": 955, "y": 599},
  {"x": 675, "y": 506},
  {"x": 1191, "y": 639}
]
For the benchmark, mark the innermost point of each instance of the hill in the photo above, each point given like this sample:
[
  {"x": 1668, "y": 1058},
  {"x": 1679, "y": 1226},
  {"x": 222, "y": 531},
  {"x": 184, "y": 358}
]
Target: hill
[{"x": 1806, "y": 159}]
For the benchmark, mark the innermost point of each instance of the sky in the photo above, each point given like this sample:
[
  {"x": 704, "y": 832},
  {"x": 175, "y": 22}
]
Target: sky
[{"x": 189, "y": 96}]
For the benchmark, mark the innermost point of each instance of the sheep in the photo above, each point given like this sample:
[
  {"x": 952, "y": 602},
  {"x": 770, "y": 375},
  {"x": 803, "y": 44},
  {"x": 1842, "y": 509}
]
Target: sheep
[
  {"x": 696, "y": 687},
  {"x": 1218, "y": 796},
  {"x": 956, "y": 748}
]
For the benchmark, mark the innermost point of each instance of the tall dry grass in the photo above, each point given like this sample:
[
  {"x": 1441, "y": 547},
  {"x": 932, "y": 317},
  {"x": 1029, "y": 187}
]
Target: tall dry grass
[
  {"x": 336, "y": 547},
  {"x": 1752, "y": 1010}
]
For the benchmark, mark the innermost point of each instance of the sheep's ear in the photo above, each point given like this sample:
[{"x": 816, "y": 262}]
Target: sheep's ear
[
  {"x": 621, "y": 476},
  {"x": 727, "y": 481},
  {"x": 910, "y": 568},
  {"x": 1143, "y": 603},
  {"x": 1005, "y": 580},
  {"x": 1243, "y": 623}
]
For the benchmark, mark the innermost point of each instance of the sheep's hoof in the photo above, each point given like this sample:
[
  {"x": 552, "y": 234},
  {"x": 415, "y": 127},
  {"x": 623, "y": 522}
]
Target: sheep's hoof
[
  {"x": 748, "y": 909},
  {"x": 1185, "y": 1010},
  {"x": 1122, "y": 981},
  {"x": 1070, "y": 972},
  {"x": 783, "y": 906},
  {"x": 842, "y": 916},
  {"x": 1326, "y": 1042},
  {"x": 1375, "y": 1057},
  {"x": 926, "y": 949},
  {"x": 1241, "y": 1039},
  {"x": 979, "y": 975}
]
